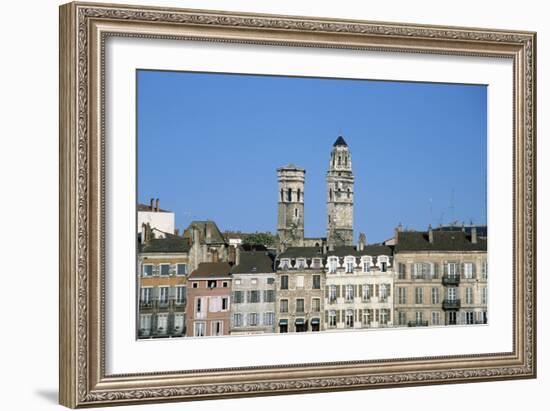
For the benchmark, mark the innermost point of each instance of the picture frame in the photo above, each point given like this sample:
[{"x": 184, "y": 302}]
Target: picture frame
[{"x": 84, "y": 30}]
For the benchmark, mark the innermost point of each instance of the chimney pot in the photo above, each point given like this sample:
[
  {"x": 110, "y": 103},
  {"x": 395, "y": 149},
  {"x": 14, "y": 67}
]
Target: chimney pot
[
  {"x": 157, "y": 205},
  {"x": 152, "y": 204},
  {"x": 430, "y": 234},
  {"x": 474, "y": 234}
]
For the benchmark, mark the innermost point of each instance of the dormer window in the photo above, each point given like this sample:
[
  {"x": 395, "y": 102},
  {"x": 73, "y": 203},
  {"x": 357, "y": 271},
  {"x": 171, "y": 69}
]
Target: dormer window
[
  {"x": 316, "y": 263},
  {"x": 383, "y": 263},
  {"x": 285, "y": 263},
  {"x": 332, "y": 264},
  {"x": 366, "y": 263},
  {"x": 301, "y": 263},
  {"x": 350, "y": 264}
]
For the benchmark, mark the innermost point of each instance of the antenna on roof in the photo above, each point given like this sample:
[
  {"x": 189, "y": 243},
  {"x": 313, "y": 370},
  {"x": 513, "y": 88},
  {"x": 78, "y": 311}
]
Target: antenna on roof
[{"x": 452, "y": 207}]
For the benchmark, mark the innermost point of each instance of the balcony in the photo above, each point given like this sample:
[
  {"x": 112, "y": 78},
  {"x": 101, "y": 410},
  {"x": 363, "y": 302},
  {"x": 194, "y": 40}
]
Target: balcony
[
  {"x": 451, "y": 280},
  {"x": 451, "y": 304}
]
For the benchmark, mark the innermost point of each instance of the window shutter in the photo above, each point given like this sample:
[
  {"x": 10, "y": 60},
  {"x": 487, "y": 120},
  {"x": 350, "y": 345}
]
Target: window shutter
[
  {"x": 377, "y": 290},
  {"x": 326, "y": 292},
  {"x": 338, "y": 291},
  {"x": 355, "y": 291},
  {"x": 377, "y": 315},
  {"x": 404, "y": 266},
  {"x": 172, "y": 293},
  {"x": 436, "y": 270},
  {"x": 388, "y": 290},
  {"x": 172, "y": 269},
  {"x": 461, "y": 269},
  {"x": 445, "y": 268},
  {"x": 360, "y": 291},
  {"x": 337, "y": 316},
  {"x": 326, "y": 316},
  {"x": 356, "y": 316},
  {"x": 155, "y": 270},
  {"x": 474, "y": 265}
]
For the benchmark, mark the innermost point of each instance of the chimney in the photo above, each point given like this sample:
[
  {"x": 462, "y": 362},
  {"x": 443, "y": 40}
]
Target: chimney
[
  {"x": 325, "y": 249},
  {"x": 195, "y": 238},
  {"x": 144, "y": 238},
  {"x": 152, "y": 204},
  {"x": 208, "y": 232},
  {"x": 398, "y": 229},
  {"x": 237, "y": 255},
  {"x": 157, "y": 205},
  {"x": 430, "y": 234},
  {"x": 474, "y": 234},
  {"x": 362, "y": 242}
]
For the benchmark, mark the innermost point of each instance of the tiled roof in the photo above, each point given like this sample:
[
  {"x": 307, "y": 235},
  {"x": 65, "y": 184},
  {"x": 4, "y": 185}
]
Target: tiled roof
[
  {"x": 170, "y": 244},
  {"x": 253, "y": 262},
  {"x": 213, "y": 270},
  {"x": 442, "y": 241}
]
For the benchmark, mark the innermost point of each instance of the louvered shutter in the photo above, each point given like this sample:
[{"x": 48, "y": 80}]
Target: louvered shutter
[
  {"x": 338, "y": 316},
  {"x": 326, "y": 316},
  {"x": 436, "y": 270},
  {"x": 377, "y": 290},
  {"x": 356, "y": 316},
  {"x": 360, "y": 291},
  {"x": 339, "y": 291},
  {"x": 156, "y": 270},
  {"x": 388, "y": 290},
  {"x": 326, "y": 292},
  {"x": 172, "y": 269},
  {"x": 474, "y": 269}
]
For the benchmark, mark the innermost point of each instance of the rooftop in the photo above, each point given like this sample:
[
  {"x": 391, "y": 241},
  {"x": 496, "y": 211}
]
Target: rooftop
[
  {"x": 170, "y": 244},
  {"x": 443, "y": 240},
  {"x": 253, "y": 262},
  {"x": 212, "y": 270}
]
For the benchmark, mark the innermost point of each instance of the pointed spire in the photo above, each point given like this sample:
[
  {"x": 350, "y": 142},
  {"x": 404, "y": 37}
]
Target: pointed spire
[{"x": 340, "y": 142}]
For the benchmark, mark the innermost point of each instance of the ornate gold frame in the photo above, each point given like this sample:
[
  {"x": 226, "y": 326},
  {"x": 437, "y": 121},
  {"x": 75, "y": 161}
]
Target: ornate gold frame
[{"x": 83, "y": 30}]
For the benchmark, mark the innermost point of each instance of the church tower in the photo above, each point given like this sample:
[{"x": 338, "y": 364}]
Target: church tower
[
  {"x": 340, "y": 195},
  {"x": 290, "y": 220}
]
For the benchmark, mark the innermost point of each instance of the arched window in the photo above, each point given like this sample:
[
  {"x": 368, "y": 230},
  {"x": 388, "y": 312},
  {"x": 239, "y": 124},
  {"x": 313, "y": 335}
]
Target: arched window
[
  {"x": 295, "y": 212},
  {"x": 289, "y": 195},
  {"x": 346, "y": 160},
  {"x": 299, "y": 193},
  {"x": 339, "y": 160},
  {"x": 282, "y": 195},
  {"x": 330, "y": 194},
  {"x": 349, "y": 193}
]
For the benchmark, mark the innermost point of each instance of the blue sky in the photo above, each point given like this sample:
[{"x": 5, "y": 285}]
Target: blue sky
[{"x": 209, "y": 145}]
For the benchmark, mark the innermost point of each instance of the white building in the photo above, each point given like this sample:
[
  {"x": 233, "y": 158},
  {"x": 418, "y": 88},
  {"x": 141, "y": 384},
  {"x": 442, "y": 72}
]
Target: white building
[{"x": 160, "y": 221}]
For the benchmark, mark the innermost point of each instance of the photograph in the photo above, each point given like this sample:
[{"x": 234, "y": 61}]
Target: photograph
[{"x": 277, "y": 204}]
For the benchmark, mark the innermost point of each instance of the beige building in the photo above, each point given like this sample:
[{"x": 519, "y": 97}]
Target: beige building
[
  {"x": 163, "y": 266},
  {"x": 359, "y": 287},
  {"x": 441, "y": 276},
  {"x": 300, "y": 290}
]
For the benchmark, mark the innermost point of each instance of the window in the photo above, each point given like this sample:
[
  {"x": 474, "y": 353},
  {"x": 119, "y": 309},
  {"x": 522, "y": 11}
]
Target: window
[
  {"x": 283, "y": 306},
  {"x": 484, "y": 269},
  {"x": 435, "y": 295},
  {"x": 254, "y": 281},
  {"x": 237, "y": 320},
  {"x": 484, "y": 295},
  {"x": 332, "y": 293},
  {"x": 147, "y": 270},
  {"x": 284, "y": 282},
  {"x": 332, "y": 264},
  {"x": 418, "y": 317},
  {"x": 299, "y": 193},
  {"x": 162, "y": 323},
  {"x": 383, "y": 266},
  {"x": 269, "y": 296},
  {"x": 350, "y": 264},
  {"x": 238, "y": 297},
  {"x": 285, "y": 263},
  {"x": 253, "y": 319},
  {"x": 145, "y": 323},
  {"x": 423, "y": 271},
  {"x": 316, "y": 305},
  {"x": 451, "y": 293},
  {"x": 365, "y": 265},
  {"x": 198, "y": 305},
  {"x": 469, "y": 295},
  {"x": 300, "y": 281},
  {"x": 163, "y": 295},
  {"x": 468, "y": 270},
  {"x": 181, "y": 269},
  {"x": 225, "y": 284},
  {"x": 296, "y": 212},
  {"x": 270, "y": 281},
  {"x": 269, "y": 318},
  {"x": 384, "y": 316},
  {"x": 316, "y": 263},
  {"x": 349, "y": 293},
  {"x": 469, "y": 317},
  {"x": 212, "y": 283},
  {"x": 367, "y": 292},
  {"x": 436, "y": 318},
  {"x": 349, "y": 318},
  {"x": 367, "y": 317},
  {"x": 418, "y": 295},
  {"x": 332, "y": 318},
  {"x": 300, "y": 305},
  {"x": 402, "y": 318},
  {"x": 402, "y": 271},
  {"x": 254, "y": 296},
  {"x": 179, "y": 322},
  {"x": 402, "y": 295},
  {"x": 165, "y": 269},
  {"x": 195, "y": 285},
  {"x": 217, "y": 328},
  {"x": 289, "y": 195},
  {"x": 383, "y": 293},
  {"x": 180, "y": 295},
  {"x": 452, "y": 269},
  {"x": 237, "y": 282},
  {"x": 225, "y": 304},
  {"x": 145, "y": 297},
  {"x": 316, "y": 282}
]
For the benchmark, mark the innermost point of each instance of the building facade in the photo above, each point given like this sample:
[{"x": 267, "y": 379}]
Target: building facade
[
  {"x": 359, "y": 287},
  {"x": 163, "y": 265},
  {"x": 253, "y": 293},
  {"x": 441, "y": 277},
  {"x": 300, "y": 289},
  {"x": 209, "y": 300}
]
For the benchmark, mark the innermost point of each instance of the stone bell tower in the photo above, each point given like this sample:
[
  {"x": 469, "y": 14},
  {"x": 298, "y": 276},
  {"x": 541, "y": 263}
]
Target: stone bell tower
[
  {"x": 340, "y": 182},
  {"x": 290, "y": 220}
]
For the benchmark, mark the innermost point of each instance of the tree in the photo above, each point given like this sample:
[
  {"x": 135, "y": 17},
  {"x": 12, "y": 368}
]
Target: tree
[{"x": 266, "y": 239}]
